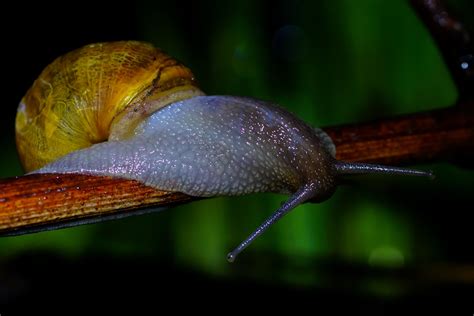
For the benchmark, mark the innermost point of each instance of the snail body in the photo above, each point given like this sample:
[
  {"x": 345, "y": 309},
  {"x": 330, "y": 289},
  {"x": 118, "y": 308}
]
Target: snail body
[
  {"x": 168, "y": 135},
  {"x": 211, "y": 146}
]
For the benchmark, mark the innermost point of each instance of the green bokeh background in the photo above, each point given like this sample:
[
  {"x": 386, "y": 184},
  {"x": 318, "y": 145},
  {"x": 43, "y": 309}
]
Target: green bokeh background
[{"x": 329, "y": 62}]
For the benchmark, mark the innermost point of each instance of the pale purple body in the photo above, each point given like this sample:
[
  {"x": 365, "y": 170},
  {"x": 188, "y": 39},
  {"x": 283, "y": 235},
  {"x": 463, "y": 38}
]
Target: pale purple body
[{"x": 214, "y": 145}]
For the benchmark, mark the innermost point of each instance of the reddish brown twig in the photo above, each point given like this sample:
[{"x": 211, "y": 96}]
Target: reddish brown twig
[
  {"x": 29, "y": 202},
  {"x": 453, "y": 40},
  {"x": 440, "y": 135}
]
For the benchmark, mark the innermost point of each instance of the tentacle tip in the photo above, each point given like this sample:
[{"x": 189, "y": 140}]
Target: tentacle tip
[{"x": 231, "y": 257}]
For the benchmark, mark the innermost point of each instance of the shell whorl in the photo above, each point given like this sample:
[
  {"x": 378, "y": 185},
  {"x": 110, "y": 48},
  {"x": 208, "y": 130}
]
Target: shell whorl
[{"x": 95, "y": 93}]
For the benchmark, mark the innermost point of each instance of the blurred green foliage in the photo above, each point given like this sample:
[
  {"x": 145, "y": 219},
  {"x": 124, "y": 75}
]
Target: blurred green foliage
[{"x": 329, "y": 62}]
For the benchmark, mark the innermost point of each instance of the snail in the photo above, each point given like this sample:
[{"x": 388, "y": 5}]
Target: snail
[{"x": 128, "y": 110}]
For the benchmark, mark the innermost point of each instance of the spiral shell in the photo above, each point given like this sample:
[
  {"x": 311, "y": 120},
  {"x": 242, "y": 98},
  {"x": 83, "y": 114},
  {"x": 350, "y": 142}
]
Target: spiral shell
[{"x": 93, "y": 94}]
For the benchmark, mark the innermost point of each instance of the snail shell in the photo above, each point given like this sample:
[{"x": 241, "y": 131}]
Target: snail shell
[{"x": 96, "y": 93}]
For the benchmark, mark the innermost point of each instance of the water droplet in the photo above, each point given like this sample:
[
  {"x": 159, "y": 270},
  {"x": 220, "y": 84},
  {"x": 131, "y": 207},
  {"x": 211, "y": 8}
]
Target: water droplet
[{"x": 466, "y": 61}]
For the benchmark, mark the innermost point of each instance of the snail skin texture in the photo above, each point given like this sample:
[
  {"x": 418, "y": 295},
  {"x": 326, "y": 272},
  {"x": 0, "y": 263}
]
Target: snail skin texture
[{"x": 208, "y": 146}]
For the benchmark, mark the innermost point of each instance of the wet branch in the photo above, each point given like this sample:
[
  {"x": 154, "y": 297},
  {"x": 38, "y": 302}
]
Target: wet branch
[{"x": 453, "y": 40}]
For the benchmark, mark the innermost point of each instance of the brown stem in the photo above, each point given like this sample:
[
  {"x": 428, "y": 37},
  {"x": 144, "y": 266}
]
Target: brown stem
[
  {"x": 453, "y": 40},
  {"x": 33, "y": 201},
  {"x": 439, "y": 135}
]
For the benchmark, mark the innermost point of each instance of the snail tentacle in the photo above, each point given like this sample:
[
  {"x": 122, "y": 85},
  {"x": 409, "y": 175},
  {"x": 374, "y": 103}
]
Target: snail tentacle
[{"x": 306, "y": 193}]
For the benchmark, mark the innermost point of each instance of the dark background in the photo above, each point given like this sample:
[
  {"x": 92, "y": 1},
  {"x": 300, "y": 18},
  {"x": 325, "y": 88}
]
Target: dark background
[{"x": 379, "y": 245}]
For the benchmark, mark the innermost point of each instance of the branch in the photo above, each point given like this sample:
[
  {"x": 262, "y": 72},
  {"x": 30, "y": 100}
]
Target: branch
[
  {"x": 433, "y": 136},
  {"x": 34, "y": 202},
  {"x": 453, "y": 40}
]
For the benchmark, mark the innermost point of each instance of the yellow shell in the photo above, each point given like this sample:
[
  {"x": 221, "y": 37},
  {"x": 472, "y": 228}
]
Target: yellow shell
[{"x": 95, "y": 93}]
